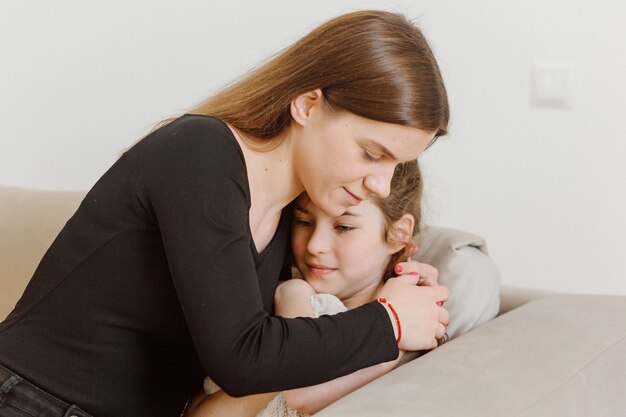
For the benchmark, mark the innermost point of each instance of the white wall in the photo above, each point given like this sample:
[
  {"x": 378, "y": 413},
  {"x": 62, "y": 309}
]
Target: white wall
[{"x": 79, "y": 81}]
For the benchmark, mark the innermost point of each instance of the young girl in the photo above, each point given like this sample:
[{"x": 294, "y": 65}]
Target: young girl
[
  {"x": 168, "y": 269},
  {"x": 344, "y": 262}
]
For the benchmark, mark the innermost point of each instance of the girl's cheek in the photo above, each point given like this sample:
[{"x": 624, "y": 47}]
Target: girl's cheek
[
  {"x": 362, "y": 251},
  {"x": 298, "y": 242},
  {"x": 355, "y": 250}
]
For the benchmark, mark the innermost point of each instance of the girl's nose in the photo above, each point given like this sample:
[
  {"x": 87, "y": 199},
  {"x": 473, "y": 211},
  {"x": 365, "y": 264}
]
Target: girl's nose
[{"x": 318, "y": 241}]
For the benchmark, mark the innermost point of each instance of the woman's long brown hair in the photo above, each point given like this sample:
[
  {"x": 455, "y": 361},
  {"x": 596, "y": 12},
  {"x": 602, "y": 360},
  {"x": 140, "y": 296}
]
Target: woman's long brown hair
[{"x": 375, "y": 64}]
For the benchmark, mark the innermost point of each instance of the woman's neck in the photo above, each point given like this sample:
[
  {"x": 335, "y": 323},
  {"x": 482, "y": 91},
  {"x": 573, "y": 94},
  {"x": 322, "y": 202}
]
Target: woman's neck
[
  {"x": 271, "y": 176},
  {"x": 272, "y": 183}
]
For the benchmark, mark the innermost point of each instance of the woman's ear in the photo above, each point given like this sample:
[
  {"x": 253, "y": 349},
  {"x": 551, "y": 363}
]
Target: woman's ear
[
  {"x": 400, "y": 233},
  {"x": 303, "y": 106}
]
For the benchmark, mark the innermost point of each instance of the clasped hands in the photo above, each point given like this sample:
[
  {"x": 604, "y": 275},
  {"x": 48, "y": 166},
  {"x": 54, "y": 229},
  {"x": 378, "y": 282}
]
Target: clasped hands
[{"x": 418, "y": 300}]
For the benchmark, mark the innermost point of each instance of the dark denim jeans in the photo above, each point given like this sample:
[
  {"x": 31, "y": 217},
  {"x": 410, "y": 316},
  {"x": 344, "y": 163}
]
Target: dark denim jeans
[{"x": 20, "y": 398}]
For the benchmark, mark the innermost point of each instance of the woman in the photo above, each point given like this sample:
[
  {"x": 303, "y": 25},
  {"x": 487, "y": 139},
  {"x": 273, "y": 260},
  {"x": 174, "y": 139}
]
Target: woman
[
  {"x": 167, "y": 271},
  {"x": 343, "y": 262}
]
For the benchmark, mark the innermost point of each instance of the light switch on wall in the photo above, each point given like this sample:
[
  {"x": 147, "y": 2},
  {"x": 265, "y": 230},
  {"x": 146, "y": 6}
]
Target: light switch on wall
[{"x": 551, "y": 84}]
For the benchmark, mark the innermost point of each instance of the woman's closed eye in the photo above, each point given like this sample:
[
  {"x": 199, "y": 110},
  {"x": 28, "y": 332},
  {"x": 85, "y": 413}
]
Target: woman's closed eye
[{"x": 369, "y": 156}]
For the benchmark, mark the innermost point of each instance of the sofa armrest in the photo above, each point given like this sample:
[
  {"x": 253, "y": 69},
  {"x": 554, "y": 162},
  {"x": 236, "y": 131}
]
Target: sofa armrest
[
  {"x": 556, "y": 355},
  {"x": 513, "y": 297}
]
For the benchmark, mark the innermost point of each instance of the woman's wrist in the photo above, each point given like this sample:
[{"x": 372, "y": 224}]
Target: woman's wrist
[{"x": 393, "y": 317}]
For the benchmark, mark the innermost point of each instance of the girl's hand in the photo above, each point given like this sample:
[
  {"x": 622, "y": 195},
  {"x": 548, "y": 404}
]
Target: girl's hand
[
  {"x": 421, "y": 318},
  {"x": 427, "y": 274}
]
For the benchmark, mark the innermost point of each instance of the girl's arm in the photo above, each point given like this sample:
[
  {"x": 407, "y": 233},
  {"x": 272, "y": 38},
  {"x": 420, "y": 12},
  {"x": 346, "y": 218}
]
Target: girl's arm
[
  {"x": 312, "y": 399},
  {"x": 292, "y": 299},
  {"x": 221, "y": 404}
]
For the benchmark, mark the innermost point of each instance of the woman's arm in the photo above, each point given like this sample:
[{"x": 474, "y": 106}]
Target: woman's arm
[
  {"x": 292, "y": 299},
  {"x": 192, "y": 187}
]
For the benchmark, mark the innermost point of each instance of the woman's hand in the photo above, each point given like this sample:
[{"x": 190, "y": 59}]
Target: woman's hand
[{"x": 421, "y": 318}]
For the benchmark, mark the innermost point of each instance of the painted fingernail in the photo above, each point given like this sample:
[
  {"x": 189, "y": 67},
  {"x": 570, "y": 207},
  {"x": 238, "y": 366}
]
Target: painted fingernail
[
  {"x": 413, "y": 273},
  {"x": 398, "y": 268},
  {"x": 439, "y": 303}
]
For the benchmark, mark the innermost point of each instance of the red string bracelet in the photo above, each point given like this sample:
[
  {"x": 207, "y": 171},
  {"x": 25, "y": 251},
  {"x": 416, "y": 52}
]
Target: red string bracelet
[{"x": 395, "y": 314}]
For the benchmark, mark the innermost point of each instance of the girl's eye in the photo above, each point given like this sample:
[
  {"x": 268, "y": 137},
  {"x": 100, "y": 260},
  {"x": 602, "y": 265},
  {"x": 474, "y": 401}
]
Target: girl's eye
[
  {"x": 342, "y": 228},
  {"x": 369, "y": 157},
  {"x": 302, "y": 223}
]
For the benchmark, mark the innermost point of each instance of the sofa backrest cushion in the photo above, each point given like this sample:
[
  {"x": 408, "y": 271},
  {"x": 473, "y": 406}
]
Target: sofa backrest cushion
[
  {"x": 29, "y": 221},
  {"x": 468, "y": 271}
]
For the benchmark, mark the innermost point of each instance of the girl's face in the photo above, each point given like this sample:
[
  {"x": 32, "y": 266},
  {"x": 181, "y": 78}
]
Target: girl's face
[
  {"x": 342, "y": 159},
  {"x": 346, "y": 255}
]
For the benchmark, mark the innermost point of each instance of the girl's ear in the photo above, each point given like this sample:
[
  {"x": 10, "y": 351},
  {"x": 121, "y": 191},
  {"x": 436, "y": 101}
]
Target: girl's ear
[{"x": 400, "y": 234}]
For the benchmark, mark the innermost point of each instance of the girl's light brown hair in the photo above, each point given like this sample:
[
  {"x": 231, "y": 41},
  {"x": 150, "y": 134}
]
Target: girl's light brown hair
[
  {"x": 375, "y": 64},
  {"x": 404, "y": 198}
]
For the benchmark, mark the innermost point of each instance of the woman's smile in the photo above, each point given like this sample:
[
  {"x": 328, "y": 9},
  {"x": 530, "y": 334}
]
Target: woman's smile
[{"x": 352, "y": 199}]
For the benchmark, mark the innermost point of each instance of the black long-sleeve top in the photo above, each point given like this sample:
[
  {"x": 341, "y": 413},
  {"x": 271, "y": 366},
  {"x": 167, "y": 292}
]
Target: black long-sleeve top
[{"x": 155, "y": 283}]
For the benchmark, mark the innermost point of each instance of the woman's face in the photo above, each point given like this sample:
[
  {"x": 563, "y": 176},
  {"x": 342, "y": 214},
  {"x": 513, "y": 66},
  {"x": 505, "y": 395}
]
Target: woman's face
[
  {"x": 345, "y": 256},
  {"x": 342, "y": 159}
]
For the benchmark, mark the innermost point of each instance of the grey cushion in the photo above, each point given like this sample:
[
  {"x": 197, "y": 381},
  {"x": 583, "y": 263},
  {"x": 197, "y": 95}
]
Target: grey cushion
[{"x": 467, "y": 270}]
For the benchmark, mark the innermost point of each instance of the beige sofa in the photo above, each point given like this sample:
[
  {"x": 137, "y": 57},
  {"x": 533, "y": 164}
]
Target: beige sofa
[{"x": 546, "y": 354}]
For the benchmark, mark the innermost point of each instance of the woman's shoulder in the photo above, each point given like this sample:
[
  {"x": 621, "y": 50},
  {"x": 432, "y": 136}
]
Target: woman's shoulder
[
  {"x": 195, "y": 159},
  {"x": 192, "y": 132},
  {"x": 186, "y": 136},
  {"x": 209, "y": 121},
  {"x": 193, "y": 146}
]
